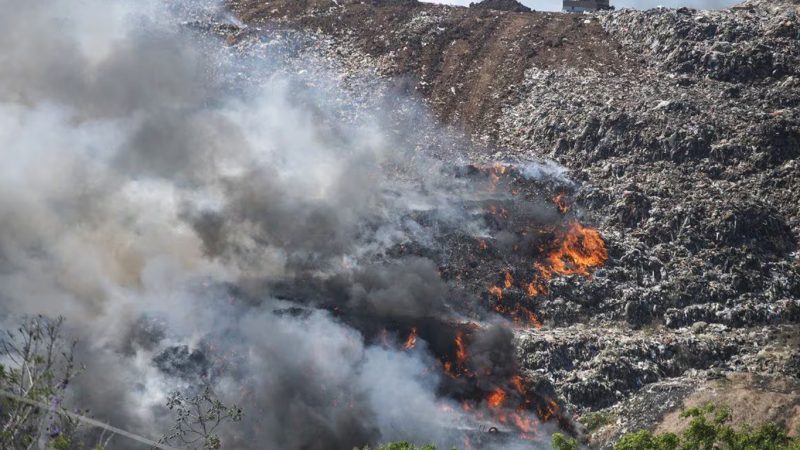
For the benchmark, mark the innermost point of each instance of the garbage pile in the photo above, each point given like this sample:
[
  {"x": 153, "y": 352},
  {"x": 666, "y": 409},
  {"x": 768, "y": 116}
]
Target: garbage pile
[
  {"x": 680, "y": 130},
  {"x": 501, "y": 5}
]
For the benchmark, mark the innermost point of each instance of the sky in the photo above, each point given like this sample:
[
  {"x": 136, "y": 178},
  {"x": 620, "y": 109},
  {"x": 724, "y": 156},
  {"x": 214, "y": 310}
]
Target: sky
[{"x": 555, "y": 5}]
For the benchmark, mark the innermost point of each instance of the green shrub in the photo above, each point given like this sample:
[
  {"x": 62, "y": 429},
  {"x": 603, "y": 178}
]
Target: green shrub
[
  {"x": 593, "y": 421},
  {"x": 560, "y": 442},
  {"x": 403, "y": 446},
  {"x": 645, "y": 440},
  {"x": 708, "y": 429}
]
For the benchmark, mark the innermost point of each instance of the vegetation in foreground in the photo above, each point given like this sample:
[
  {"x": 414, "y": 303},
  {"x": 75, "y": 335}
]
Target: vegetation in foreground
[
  {"x": 37, "y": 366},
  {"x": 403, "y": 446},
  {"x": 708, "y": 429}
]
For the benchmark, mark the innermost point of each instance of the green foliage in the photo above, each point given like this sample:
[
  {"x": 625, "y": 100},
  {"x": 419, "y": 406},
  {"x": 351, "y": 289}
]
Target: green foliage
[
  {"x": 595, "y": 420},
  {"x": 644, "y": 440},
  {"x": 61, "y": 443},
  {"x": 404, "y": 446},
  {"x": 560, "y": 442},
  {"x": 709, "y": 429},
  {"x": 39, "y": 366}
]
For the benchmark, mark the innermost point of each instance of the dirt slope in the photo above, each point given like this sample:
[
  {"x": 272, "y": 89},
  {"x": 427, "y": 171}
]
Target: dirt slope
[{"x": 480, "y": 53}]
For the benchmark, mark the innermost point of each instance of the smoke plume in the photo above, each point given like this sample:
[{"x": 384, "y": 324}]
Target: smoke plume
[{"x": 204, "y": 215}]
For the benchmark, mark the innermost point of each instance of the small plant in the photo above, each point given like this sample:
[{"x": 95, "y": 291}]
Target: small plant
[
  {"x": 560, "y": 442},
  {"x": 406, "y": 446},
  {"x": 644, "y": 440},
  {"x": 593, "y": 421},
  {"x": 709, "y": 429},
  {"x": 198, "y": 417},
  {"x": 39, "y": 367},
  {"x": 402, "y": 446}
]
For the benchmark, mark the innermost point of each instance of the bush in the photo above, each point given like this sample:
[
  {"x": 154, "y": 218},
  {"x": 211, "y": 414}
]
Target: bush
[
  {"x": 403, "y": 446},
  {"x": 708, "y": 429},
  {"x": 593, "y": 421},
  {"x": 560, "y": 442},
  {"x": 36, "y": 366},
  {"x": 642, "y": 440}
]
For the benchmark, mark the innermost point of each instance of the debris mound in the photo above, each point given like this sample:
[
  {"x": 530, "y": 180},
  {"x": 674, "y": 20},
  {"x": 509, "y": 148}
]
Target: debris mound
[
  {"x": 681, "y": 131},
  {"x": 501, "y": 5}
]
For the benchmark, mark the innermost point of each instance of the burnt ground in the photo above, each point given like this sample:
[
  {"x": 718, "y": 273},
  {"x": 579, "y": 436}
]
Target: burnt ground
[{"x": 682, "y": 132}]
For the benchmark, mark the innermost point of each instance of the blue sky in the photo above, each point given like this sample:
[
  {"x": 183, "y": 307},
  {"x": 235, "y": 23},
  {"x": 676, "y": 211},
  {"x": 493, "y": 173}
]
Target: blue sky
[{"x": 555, "y": 5}]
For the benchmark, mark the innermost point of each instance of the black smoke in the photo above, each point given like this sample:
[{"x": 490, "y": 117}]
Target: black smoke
[{"x": 205, "y": 214}]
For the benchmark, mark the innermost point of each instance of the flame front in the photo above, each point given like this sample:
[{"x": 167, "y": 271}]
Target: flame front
[
  {"x": 509, "y": 280},
  {"x": 578, "y": 250},
  {"x": 581, "y": 249}
]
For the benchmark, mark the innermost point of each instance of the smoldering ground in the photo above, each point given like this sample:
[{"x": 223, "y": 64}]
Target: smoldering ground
[{"x": 197, "y": 226}]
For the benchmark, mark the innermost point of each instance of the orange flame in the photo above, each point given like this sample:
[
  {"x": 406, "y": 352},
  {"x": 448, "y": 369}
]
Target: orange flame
[
  {"x": 581, "y": 249},
  {"x": 509, "y": 280},
  {"x": 461, "y": 351},
  {"x": 495, "y": 173},
  {"x": 552, "y": 409},
  {"x": 524, "y": 424},
  {"x": 411, "y": 342},
  {"x": 561, "y": 202},
  {"x": 533, "y": 319},
  {"x": 447, "y": 366},
  {"x": 496, "y": 291},
  {"x": 516, "y": 380},
  {"x": 496, "y": 398},
  {"x": 497, "y": 211}
]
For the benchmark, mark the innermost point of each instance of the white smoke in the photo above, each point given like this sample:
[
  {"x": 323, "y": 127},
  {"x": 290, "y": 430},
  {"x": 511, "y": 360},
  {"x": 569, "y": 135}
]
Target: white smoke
[{"x": 149, "y": 193}]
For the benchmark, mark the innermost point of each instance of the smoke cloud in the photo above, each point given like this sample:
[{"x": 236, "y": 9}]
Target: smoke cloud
[{"x": 200, "y": 215}]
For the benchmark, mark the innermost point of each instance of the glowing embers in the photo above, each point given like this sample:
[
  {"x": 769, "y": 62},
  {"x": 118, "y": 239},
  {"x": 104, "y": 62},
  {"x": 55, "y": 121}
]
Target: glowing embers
[
  {"x": 496, "y": 173},
  {"x": 562, "y": 202},
  {"x": 461, "y": 350},
  {"x": 498, "y": 211},
  {"x": 496, "y": 398},
  {"x": 411, "y": 341},
  {"x": 513, "y": 309},
  {"x": 549, "y": 411},
  {"x": 494, "y": 394}
]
